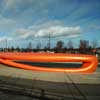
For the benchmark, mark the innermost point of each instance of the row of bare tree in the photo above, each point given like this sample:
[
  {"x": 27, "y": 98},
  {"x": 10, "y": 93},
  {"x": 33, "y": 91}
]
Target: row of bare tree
[{"x": 84, "y": 47}]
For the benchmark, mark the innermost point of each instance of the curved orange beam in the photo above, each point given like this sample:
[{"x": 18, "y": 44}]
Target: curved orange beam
[{"x": 89, "y": 62}]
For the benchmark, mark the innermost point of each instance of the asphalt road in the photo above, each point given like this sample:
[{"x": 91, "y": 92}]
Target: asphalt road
[{"x": 67, "y": 86}]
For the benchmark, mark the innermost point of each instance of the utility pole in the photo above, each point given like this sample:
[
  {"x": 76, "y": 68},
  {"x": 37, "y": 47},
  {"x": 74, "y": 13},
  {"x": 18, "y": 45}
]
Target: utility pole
[
  {"x": 49, "y": 41},
  {"x": 5, "y": 47},
  {"x": 6, "y": 43}
]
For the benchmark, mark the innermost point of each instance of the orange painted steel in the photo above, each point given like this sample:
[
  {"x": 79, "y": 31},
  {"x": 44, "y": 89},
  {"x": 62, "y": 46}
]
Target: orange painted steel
[{"x": 89, "y": 62}]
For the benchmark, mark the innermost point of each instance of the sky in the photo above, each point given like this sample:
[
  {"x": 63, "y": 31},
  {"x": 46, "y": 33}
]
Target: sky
[{"x": 22, "y": 21}]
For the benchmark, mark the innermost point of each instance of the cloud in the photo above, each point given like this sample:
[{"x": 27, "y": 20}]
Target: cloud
[
  {"x": 23, "y": 12},
  {"x": 20, "y": 6},
  {"x": 6, "y": 24},
  {"x": 4, "y": 38},
  {"x": 55, "y": 29},
  {"x": 23, "y": 33},
  {"x": 74, "y": 36},
  {"x": 9, "y": 3}
]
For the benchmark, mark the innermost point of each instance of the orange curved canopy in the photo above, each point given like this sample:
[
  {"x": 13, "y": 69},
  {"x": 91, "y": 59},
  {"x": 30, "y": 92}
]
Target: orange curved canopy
[{"x": 89, "y": 62}]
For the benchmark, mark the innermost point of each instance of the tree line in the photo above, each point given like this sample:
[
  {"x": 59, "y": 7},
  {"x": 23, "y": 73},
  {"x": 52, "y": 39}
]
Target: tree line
[{"x": 84, "y": 47}]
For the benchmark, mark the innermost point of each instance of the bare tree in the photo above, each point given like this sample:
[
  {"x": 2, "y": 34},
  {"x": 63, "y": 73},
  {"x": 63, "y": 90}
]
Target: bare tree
[
  {"x": 84, "y": 44},
  {"x": 30, "y": 46},
  {"x": 59, "y": 46},
  {"x": 18, "y": 49},
  {"x": 38, "y": 46},
  {"x": 94, "y": 44},
  {"x": 70, "y": 44}
]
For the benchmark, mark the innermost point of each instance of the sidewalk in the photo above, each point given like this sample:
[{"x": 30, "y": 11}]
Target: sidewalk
[{"x": 74, "y": 85}]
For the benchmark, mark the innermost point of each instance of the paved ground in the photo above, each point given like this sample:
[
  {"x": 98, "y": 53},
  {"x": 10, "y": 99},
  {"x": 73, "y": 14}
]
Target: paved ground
[{"x": 69, "y": 86}]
